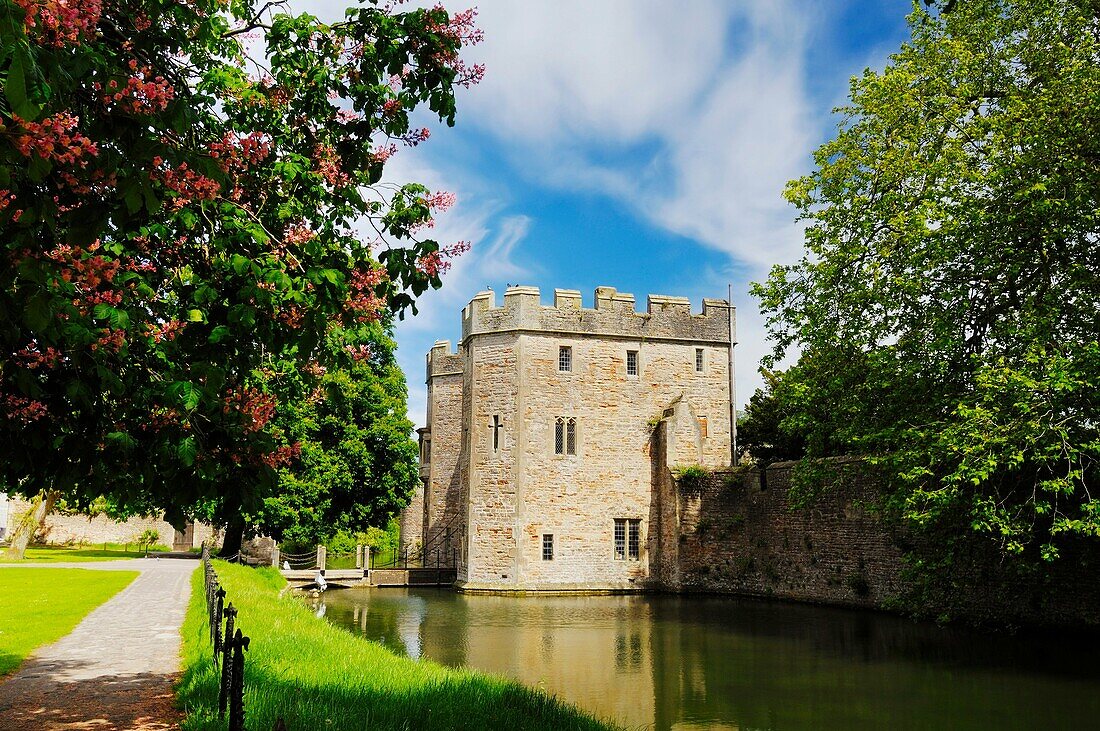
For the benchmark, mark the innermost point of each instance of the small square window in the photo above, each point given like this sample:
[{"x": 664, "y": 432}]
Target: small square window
[
  {"x": 565, "y": 358},
  {"x": 547, "y": 546},
  {"x": 632, "y": 362},
  {"x": 699, "y": 360}
]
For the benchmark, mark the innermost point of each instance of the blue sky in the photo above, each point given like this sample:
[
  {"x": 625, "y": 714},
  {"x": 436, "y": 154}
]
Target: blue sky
[{"x": 638, "y": 144}]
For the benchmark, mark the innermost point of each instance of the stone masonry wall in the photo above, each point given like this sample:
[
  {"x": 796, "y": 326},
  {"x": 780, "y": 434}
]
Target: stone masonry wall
[
  {"x": 443, "y": 513},
  {"x": 736, "y": 532},
  {"x": 739, "y": 534},
  {"x": 490, "y": 476},
  {"x": 72, "y": 529}
]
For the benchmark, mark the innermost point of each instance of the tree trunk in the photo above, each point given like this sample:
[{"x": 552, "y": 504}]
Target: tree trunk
[
  {"x": 30, "y": 523},
  {"x": 234, "y": 537}
]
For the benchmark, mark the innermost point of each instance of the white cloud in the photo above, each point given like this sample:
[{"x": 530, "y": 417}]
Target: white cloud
[
  {"x": 694, "y": 114},
  {"x": 611, "y": 71}
]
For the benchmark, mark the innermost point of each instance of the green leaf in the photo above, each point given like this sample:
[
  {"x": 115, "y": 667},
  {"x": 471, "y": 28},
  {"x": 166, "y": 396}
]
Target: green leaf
[
  {"x": 38, "y": 313},
  {"x": 218, "y": 334},
  {"x": 121, "y": 439},
  {"x": 15, "y": 87},
  {"x": 240, "y": 264},
  {"x": 185, "y": 393},
  {"x": 195, "y": 316},
  {"x": 187, "y": 451},
  {"x": 133, "y": 198}
]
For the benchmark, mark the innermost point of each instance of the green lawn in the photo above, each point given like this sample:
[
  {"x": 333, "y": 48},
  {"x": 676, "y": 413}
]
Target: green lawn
[
  {"x": 316, "y": 676},
  {"x": 38, "y": 606},
  {"x": 97, "y": 552}
]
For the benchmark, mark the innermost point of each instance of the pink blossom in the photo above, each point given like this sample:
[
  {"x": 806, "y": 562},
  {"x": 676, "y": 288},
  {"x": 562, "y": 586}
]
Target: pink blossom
[
  {"x": 24, "y": 409},
  {"x": 359, "y": 353},
  {"x": 55, "y": 138},
  {"x": 255, "y": 406},
  {"x": 58, "y": 22},
  {"x": 34, "y": 356},
  {"x": 363, "y": 303},
  {"x": 144, "y": 92},
  {"x": 298, "y": 234},
  {"x": 440, "y": 201},
  {"x": 414, "y": 137},
  {"x": 382, "y": 154},
  {"x": 327, "y": 165}
]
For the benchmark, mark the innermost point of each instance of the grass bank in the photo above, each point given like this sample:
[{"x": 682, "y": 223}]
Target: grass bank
[
  {"x": 316, "y": 676},
  {"x": 97, "y": 552},
  {"x": 39, "y": 606}
]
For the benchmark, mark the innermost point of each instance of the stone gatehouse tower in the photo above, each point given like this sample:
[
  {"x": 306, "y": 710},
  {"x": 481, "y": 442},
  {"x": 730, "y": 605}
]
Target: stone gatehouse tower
[{"x": 536, "y": 456}]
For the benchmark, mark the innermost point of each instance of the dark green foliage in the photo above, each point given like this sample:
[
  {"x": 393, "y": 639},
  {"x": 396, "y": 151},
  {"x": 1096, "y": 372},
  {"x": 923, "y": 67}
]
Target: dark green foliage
[
  {"x": 762, "y": 435},
  {"x": 946, "y": 308},
  {"x": 358, "y": 464}
]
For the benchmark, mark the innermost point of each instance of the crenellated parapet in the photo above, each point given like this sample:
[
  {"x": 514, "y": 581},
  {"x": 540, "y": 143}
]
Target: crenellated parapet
[
  {"x": 665, "y": 318},
  {"x": 441, "y": 360}
]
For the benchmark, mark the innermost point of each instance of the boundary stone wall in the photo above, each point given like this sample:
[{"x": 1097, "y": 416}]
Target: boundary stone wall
[
  {"x": 735, "y": 532},
  {"x": 62, "y": 529},
  {"x": 739, "y": 534}
]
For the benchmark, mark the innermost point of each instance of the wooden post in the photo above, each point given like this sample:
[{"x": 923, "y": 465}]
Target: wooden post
[
  {"x": 275, "y": 555},
  {"x": 358, "y": 555},
  {"x": 321, "y": 555},
  {"x": 366, "y": 557}
]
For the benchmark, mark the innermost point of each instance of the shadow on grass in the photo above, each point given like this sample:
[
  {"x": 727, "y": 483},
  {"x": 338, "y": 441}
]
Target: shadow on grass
[
  {"x": 347, "y": 702},
  {"x": 8, "y": 663},
  {"x": 315, "y": 676}
]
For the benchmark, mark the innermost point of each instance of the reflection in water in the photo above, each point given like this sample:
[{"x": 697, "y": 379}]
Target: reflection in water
[{"x": 668, "y": 662}]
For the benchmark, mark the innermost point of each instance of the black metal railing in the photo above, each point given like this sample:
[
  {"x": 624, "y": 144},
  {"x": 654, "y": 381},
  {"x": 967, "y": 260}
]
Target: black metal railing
[
  {"x": 438, "y": 554},
  {"x": 229, "y": 647}
]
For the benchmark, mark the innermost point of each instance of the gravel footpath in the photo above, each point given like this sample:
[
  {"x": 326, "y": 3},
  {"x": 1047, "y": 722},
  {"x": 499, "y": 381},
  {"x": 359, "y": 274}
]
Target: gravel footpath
[{"x": 115, "y": 671}]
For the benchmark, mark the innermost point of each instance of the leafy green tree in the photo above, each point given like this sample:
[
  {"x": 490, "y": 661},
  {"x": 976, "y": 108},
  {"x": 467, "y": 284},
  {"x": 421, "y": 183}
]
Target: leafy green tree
[
  {"x": 948, "y": 294},
  {"x": 761, "y": 432},
  {"x": 179, "y": 220},
  {"x": 358, "y": 465}
]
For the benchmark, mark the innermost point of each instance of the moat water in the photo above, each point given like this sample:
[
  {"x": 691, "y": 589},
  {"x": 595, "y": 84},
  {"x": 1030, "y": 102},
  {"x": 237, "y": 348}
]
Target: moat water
[{"x": 668, "y": 662}]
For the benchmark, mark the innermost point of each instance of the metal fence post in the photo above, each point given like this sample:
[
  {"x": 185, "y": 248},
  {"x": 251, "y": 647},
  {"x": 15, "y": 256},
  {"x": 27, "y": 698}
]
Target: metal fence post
[
  {"x": 217, "y": 625},
  {"x": 236, "y": 690},
  {"x": 227, "y": 665}
]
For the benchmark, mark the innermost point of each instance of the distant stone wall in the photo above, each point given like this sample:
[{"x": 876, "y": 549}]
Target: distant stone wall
[
  {"x": 736, "y": 532},
  {"x": 76, "y": 528},
  {"x": 739, "y": 534}
]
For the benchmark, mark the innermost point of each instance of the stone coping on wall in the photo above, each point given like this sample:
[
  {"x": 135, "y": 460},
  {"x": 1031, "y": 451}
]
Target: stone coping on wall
[
  {"x": 465, "y": 587},
  {"x": 665, "y": 318}
]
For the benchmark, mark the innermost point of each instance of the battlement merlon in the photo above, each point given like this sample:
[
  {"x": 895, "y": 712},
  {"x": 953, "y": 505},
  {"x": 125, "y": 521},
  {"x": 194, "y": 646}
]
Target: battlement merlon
[
  {"x": 442, "y": 361},
  {"x": 665, "y": 318}
]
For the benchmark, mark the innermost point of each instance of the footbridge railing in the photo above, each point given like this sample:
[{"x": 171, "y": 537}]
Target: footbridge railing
[{"x": 442, "y": 553}]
